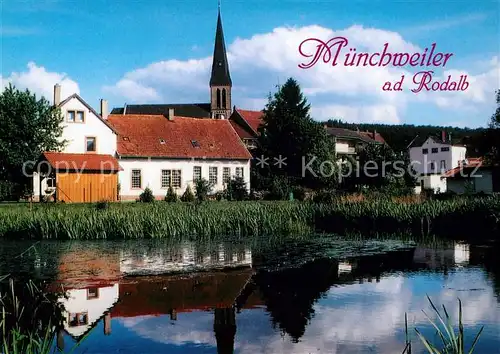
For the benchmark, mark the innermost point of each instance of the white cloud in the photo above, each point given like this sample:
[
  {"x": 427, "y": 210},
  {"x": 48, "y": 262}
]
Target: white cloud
[{"x": 40, "y": 81}]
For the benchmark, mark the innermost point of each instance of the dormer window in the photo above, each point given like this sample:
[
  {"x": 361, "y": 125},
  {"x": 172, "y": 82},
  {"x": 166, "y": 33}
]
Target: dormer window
[
  {"x": 195, "y": 143},
  {"x": 162, "y": 141},
  {"x": 125, "y": 138}
]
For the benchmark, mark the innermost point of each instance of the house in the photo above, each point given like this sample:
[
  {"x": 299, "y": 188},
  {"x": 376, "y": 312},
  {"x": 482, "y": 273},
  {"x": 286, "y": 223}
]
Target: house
[
  {"x": 246, "y": 124},
  {"x": 431, "y": 159},
  {"x": 161, "y": 152},
  {"x": 350, "y": 142},
  {"x": 471, "y": 177},
  {"x": 86, "y": 170}
]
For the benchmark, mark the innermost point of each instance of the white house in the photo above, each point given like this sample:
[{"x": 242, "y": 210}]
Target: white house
[
  {"x": 432, "y": 159},
  {"x": 86, "y": 168},
  {"x": 472, "y": 177},
  {"x": 161, "y": 152}
]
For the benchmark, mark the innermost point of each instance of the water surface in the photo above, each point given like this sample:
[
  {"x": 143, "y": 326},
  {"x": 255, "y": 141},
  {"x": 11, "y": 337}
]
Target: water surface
[{"x": 326, "y": 296}]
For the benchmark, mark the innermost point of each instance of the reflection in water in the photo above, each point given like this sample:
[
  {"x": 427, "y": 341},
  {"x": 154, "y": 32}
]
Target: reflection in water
[{"x": 346, "y": 305}]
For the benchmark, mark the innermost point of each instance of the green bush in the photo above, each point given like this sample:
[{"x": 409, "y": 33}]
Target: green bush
[
  {"x": 171, "y": 196},
  {"x": 147, "y": 196},
  {"x": 188, "y": 195},
  {"x": 236, "y": 189},
  {"x": 203, "y": 189}
]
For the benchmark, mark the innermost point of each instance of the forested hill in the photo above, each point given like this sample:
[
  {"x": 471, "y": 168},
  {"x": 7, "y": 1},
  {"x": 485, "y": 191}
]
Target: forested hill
[{"x": 401, "y": 135}]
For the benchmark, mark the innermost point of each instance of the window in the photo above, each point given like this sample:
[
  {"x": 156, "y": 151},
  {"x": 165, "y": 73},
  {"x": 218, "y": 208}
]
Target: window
[
  {"x": 445, "y": 149},
  {"x": 218, "y": 98},
  {"x": 196, "y": 173},
  {"x": 75, "y": 116},
  {"x": 51, "y": 182},
  {"x": 239, "y": 172},
  {"x": 136, "y": 179},
  {"x": 226, "y": 174},
  {"x": 176, "y": 178},
  {"x": 195, "y": 143},
  {"x": 92, "y": 293},
  {"x": 212, "y": 175},
  {"x": 162, "y": 141},
  {"x": 433, "y": 166},
  {"x": 223, "y": 98},
  {"x": 435, "y": 150},
  {"x": 78, "y": 319},
  {"x": 443, "y": 165},
  {"x": 425, "y": 151},
  {"x": 166, "y": 177},
  {"x": 171, "y": 178},
  {"x": 90, "y": 144}
]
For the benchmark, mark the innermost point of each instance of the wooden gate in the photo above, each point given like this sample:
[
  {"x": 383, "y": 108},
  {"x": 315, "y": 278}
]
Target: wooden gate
[{"x": 86, "y": 187}]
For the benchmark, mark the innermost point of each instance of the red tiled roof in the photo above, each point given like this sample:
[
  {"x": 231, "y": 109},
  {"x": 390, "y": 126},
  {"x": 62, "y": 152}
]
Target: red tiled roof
[
  {"x": 242, "y": 133},
  {"x": 471, "y": 163},
  {"x": 377, "y": 137},
  {"x": 82, "y": 162},
  {"x": 253, "y": 118},
  {"x": 156, "y": 136}
]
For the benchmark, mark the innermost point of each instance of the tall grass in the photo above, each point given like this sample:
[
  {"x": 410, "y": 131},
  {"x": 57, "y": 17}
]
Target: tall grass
[
  {"x": 205, "y": 221},
  {"x": 451, "y": 341}
]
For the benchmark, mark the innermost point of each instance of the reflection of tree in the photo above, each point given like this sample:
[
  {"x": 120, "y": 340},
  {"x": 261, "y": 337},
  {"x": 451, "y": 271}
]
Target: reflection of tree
[
  {"x": 225, "y": 329},
  {"x": 291, "y": 293},
  {"x": 488, "y": 258}
]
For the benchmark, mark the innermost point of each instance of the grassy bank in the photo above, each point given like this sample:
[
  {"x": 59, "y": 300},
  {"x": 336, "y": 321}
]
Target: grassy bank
[{"x": 456, "y": 218}]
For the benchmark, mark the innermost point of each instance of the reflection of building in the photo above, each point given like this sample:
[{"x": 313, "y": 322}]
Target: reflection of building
[
  {"x": 188, "y": 257},
  {"x": 436, "y": 258}
]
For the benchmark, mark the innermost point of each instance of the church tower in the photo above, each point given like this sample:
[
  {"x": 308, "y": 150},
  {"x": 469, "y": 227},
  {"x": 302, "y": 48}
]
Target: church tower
[{"x": 220, "y": 81}]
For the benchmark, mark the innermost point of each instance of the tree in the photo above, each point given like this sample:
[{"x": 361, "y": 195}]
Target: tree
[
  {"x": 188, "y": 195},
  {"x": 293, "y": 141},
  {"x": 28, "y": 127},
  {"x": 147, "y": 196},
  {"x": 236, "y": 189},
  {"x": 171, "y": 196},
  {"x": 203, "y": 188}
]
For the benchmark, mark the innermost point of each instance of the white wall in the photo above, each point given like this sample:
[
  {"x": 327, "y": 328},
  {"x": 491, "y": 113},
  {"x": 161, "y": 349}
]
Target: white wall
[
  {"x": 75, "y": 133},
  {"x": 434, "y": 182},
  {"x": 422, "y": 162},
  {"x": 341, "y": 147},
  {"x": 151, "y": 174},
  {"x": 77, "y": 302},
  {"x": 477, "y": 184}
]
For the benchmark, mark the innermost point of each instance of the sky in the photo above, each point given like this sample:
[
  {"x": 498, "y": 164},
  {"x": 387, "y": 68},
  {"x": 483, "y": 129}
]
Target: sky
[{"x": 147, "y": 51}]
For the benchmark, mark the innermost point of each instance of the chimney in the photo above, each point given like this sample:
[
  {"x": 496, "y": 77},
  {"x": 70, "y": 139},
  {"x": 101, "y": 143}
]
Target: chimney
[
  {"x": 374, "y": 135},
  {"x": 171, "y": 114},
  {"x": 124, "y": 109},
  {"x": 57, "y": 94},
  {"x": 443, "y": 136},
  {"x": 104, "y": 109}
]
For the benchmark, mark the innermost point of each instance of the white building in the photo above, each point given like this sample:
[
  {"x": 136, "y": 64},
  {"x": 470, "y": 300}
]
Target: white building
[
  {"x": 159, "y": 152},
  {"x": 86, "y": 168},
  {"x": 432, "y": 159}
]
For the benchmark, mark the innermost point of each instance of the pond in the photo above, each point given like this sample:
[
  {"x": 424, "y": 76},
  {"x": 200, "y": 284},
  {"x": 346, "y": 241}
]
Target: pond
[{"x": 330, "y": 295}]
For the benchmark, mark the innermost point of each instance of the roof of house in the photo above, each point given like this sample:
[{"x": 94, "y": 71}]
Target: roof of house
[
  {"x": 246, "y": 123},
  {"x": 418, "y": 141},
  {"x": 203, "y": 291},
  {"x": 374, "y": 136},
  {"x": 181, "y": 137},
  {"x": 89, "y": 107},
  {"x": 351, "y": 134},
  {"x": 470, "y": 164},
  {"x": 81, "y": 162},
  {"x": 194, "y": 110}
]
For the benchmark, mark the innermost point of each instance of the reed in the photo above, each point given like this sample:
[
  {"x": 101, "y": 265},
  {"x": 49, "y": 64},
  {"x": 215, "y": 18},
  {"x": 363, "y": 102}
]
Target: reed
[{"x": 455, "y": 218}]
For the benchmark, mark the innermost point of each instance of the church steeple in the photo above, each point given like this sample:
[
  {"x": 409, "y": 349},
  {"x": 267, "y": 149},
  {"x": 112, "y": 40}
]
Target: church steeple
[{"x": 220, "y": 81}]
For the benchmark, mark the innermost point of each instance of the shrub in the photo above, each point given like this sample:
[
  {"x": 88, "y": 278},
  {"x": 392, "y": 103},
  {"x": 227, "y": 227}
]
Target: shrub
[
  {"x": 102, "y": 205},
  {"x": 171, "y": 196},
  {"x": 147, "y": 196},
  {"x": 236, "y": 189},
  {"x": 202, "y": 189},
  {"x": 188, "y": 195},
  {"x": 279, "y": 189}
]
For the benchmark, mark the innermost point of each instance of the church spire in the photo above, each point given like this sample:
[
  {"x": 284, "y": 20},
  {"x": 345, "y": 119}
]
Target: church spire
[{"x": 220, "y": 66}]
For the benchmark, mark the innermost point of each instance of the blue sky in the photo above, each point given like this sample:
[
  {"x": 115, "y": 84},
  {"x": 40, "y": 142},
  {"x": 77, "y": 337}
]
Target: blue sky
[{"x": 159, "y": 52}]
